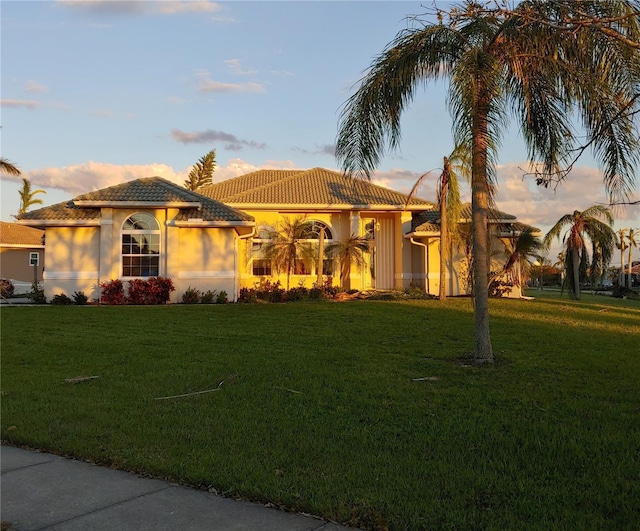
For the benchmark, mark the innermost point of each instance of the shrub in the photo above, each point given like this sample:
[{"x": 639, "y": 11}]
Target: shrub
[
  {"x": 208, "y": 297},
  {"x": 79, "y": 298},
  {"x": 297, "y": 294},
  {"x": 316, "y": 293},
  {"x": 138, "y": 292},
  {"x": 61, "y": 300},
  {"x": 154, "y": 290},
  {"x": 222, "y": 298},
  {"x": 37, "y": 293},
  {"x": 6, "y": 288},
  {"x": 620, "y": 292},
  {"x": 191, "y": 296},
  {"x": 160, "y": 289},
  {"x": 112, "y": 292},
  {"x": 247, "y": 295}
]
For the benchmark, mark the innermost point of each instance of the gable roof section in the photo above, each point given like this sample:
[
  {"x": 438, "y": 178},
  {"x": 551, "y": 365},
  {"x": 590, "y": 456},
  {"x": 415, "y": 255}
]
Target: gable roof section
[
  {"x": 429, "y": 221},
  {"x": 14, "y": 235},
  {"x": 150, "y": 192},
  {"x": 314, "y": 188}
]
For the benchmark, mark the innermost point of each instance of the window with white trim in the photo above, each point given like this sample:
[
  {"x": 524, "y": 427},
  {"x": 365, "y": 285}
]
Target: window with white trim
[{"x": 141, "y": 246}]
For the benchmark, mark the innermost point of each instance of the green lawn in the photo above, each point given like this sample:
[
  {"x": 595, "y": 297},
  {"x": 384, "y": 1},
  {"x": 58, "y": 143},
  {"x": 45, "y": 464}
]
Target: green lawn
[{"x": 363, "y": 412}]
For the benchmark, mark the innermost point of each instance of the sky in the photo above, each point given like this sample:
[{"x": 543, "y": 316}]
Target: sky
[{"x": 96, "y": 93}]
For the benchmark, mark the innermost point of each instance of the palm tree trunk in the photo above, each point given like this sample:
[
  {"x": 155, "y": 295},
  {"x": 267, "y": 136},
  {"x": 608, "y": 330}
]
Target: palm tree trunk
[
  {"x": 629, "y": 265},
  {"x": 621, "y": 263},
  {"x": 479, "y": 206},
  {"x": 320, "y": 257},
  {"x": 575, "y": 262},
  {"x": 444, "y": 239}
]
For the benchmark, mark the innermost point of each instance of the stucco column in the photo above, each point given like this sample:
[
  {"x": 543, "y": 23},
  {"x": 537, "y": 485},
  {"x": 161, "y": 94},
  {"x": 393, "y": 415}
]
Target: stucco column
[
  {"x": 171, "y": 249},
  {"x": 108, "y": 260},
  {"x": 403, "y": 270}
]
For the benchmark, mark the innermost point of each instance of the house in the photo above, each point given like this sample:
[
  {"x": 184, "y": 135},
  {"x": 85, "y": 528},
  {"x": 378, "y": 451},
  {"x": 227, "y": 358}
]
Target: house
[
  {"x": 215, "y": 239},
  {"x": 21, "y": 252}
]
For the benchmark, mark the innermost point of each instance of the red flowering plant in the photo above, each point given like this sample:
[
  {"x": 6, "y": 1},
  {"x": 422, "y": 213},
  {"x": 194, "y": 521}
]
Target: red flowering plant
[{"x": 112, "y": 292}]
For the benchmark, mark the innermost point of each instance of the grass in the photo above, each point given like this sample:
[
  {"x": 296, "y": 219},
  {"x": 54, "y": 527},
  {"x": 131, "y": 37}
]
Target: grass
[{"x": 363, "y": 412}]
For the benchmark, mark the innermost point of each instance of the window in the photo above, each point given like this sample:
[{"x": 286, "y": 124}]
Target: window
[
  {"x": 260, "y": 266},
  {"x": 141, "y": 246},
  {"x": 313, "y": 232}
]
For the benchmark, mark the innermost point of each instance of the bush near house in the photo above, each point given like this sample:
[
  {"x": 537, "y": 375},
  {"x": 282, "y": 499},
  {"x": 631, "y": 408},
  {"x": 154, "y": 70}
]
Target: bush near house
[
  {"x": 6, "y": 288},
  {"x": 61, "y": 300},
  {"x": 154, "y": 290},
  {"x": 191, "y": 296}
]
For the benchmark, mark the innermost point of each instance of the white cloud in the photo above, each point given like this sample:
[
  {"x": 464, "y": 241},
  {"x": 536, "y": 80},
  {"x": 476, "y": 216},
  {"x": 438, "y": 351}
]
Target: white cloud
[
  {"x": 193, "y": 6},
  {"x": 86, "y": 177},
  {"x": 27, "y": 104},
  {"x": 220, "y": 87},
  {"x": 138, "y": 7},
  {"x": 206, "y": 84},
  {"x": 236, "y": 68},
  {"x": 33, "y": 86}
]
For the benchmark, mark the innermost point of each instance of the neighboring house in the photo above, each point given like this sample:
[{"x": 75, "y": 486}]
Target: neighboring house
[
  {"x": 147, "y": 227},
  {"x": 214, "y": 239},
  {"x": 20, "y": 247}
]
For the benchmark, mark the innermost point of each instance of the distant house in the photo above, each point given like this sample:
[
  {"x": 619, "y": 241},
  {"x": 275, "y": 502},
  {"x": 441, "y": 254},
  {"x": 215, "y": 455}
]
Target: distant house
[
  {"x": 215, "y": 239},
  {"x": 20, "y": 248}
]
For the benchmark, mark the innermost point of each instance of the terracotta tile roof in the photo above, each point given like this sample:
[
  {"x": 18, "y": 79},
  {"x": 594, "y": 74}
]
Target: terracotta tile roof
[
  {"x": 14, "y": 234},
  {"x": 316, "y": 186},
  {"x": 429, "y": 220},
  {"x": 148, "y": 189},
  {"x": 66, "y": 211},
  {"x": 153, "y": 190}
]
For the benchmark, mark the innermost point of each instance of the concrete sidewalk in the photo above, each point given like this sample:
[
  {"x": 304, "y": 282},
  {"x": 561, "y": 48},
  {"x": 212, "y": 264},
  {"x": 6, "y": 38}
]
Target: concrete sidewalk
[{"x": 44, "y": 491}]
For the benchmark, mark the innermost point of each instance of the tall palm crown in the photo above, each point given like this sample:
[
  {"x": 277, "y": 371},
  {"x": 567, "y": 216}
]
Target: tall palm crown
[
  {"x": 581, "y": 229},
  {"x": 541, "y": 62}
]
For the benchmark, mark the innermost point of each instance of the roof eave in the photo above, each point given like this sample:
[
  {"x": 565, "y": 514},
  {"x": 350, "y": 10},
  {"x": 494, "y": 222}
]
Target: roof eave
[
  {"x": 59, "y": 222},
  {"x": 325, "y": 206},
  {"x": 196, "y": 223}
]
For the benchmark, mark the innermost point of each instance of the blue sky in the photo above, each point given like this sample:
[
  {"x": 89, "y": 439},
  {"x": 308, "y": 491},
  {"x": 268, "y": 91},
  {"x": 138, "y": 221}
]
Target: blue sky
[{"x": 98, "y": 93}]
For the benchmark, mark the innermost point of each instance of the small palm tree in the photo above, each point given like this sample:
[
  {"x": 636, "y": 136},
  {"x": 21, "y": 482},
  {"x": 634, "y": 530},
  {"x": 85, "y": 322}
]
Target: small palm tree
[
  {"x": 348, "y": 252},
  {"x": 9, "y": 168},
  {"x": 458, "y": 163},
  {"x": 582, "y": 228},
  {"x": 521, "y": 255},
  {"x": 27, "y": 196},
  {"x": 202, "y": 172},
  {"x": 621, "y": 243},
  {"x": 287, "y": 243},
  {"x": 634, "y": 241}
]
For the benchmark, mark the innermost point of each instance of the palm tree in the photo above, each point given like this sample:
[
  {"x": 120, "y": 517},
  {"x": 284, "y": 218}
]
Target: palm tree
[
  {"x": 539, "y": 61},
  {"x": 560, "y": 260},
  {"x": 634, "y": 241},
  {"x": 27, "y": 196},
  {"x": 621, "y": 243},
  {"x": 449, "y": 204},
  {"x": 9, "y": 168},
  {"x": 347, "y": 252},
  {"x": 202, "y": 172},
  {"x": 521, "y": 254},
  {"x": 287, "y": 243},
  {"x": 581, "y": 228}
]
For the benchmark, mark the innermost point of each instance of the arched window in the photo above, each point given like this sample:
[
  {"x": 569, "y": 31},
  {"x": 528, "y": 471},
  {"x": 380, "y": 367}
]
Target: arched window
[
  {"x": 313, "y": 232},
  {"x": 141, "y": 246}
]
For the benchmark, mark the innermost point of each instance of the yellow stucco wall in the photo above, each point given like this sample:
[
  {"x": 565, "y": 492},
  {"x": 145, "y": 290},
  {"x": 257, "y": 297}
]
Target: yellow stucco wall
[{"x": 72, "y": 261}]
